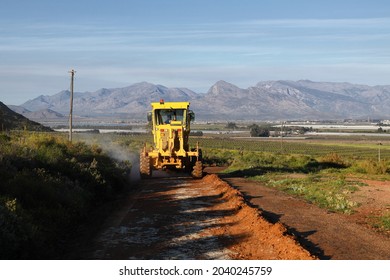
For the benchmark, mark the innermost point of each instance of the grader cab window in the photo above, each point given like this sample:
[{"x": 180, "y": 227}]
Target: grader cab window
[{"x": 165, "y": 116}]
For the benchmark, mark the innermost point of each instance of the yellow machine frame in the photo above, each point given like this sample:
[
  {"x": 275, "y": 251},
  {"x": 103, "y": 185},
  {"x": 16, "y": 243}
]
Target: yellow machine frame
[{"x": 170, "y": 129}]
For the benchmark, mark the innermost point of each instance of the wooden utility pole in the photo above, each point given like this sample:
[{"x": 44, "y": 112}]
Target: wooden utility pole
[
  {"x": 281, "y": 137},
  {"x": 71, "y": 103}
]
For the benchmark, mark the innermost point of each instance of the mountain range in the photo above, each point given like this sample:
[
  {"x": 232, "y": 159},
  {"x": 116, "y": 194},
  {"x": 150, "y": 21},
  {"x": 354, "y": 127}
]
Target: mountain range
[{"x": 269, "y": 100}]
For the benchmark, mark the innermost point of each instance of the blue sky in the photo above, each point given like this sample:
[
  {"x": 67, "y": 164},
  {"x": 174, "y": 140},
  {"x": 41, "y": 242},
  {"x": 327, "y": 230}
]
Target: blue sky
[{"x": 188, "y": 43}]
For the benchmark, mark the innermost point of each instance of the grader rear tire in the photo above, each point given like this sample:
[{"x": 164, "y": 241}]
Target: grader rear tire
[
  {"x": 197, "y": 172},
  {"x": 145, "y": 169}
]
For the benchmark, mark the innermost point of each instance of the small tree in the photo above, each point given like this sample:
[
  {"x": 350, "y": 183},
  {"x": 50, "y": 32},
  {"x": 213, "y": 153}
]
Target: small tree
[
  {"x": 259, "y": 131},
  {"x": 231, "y": 125}
]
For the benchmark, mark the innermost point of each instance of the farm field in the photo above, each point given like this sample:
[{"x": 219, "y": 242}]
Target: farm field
[
  {"x": 350, "y": 146},
  {"x": 363, "y": 148}
]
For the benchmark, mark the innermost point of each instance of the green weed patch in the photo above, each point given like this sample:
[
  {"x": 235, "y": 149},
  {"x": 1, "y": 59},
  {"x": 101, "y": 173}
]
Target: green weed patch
[
  {"x": 382, "y": 222},
  {"x": 330, "y": 192}
]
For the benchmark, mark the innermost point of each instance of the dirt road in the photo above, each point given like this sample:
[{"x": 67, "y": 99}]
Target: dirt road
[
  {"x": 182, "y": 218},
  {"x": 177, "y": 217}
]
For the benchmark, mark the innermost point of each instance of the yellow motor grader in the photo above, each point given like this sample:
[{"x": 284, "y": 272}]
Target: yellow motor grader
[{"x": 171, "y": 128}]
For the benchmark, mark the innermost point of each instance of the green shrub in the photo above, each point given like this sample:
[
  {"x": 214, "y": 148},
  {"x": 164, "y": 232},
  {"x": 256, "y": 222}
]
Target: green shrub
[
  {"x": 271, "y": 162},
  {"x": 4, "y": 138},
  {"x": 19, "y": 236},
  {"x": 48, "y": 187},
  {"x": 333, "y": 160},
  {"x": 372, "y": 167},
  {"x": 219, "y": 157}
]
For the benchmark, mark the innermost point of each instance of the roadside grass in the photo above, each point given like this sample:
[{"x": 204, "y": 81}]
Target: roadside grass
[
  {"x": 324, "y": 180},
  {"x": 325, "y": 190},
  {"x": 48, "y": 187},
  {"x": 381, "y": 222}
]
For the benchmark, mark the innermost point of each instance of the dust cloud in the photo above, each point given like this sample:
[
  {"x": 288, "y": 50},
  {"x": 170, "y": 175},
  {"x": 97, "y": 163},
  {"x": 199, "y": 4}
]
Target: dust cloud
[{"x": 115, "y": 151}]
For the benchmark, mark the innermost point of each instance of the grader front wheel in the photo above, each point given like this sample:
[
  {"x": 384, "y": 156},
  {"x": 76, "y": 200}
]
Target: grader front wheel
[
  {"x": 197, "y": 172},
  {"x": 145, "y": 169}
]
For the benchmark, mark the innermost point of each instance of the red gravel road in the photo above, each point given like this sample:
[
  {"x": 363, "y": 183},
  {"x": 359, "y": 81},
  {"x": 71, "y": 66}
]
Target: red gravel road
[
  {"x": 177, "y": 217},
  {"x": 182, "y": 218}
]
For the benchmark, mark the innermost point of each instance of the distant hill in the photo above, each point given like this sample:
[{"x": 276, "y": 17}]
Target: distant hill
[
  {"x": 19, "y": 109},
  {"x": 288, "y": 100},
  {"x": 133, "y": 100},
  {"x": 269, "y": 100},
  {"x": 10, "y": 120},
  {"x": 46, "y": 114}
]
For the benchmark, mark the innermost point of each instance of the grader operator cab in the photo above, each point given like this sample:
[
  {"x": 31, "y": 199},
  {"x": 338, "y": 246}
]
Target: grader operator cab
[{"x": 171, "y": 128}]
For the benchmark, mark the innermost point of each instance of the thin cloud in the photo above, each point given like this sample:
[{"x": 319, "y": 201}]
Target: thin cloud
[{"x": 317, "y": 23}]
